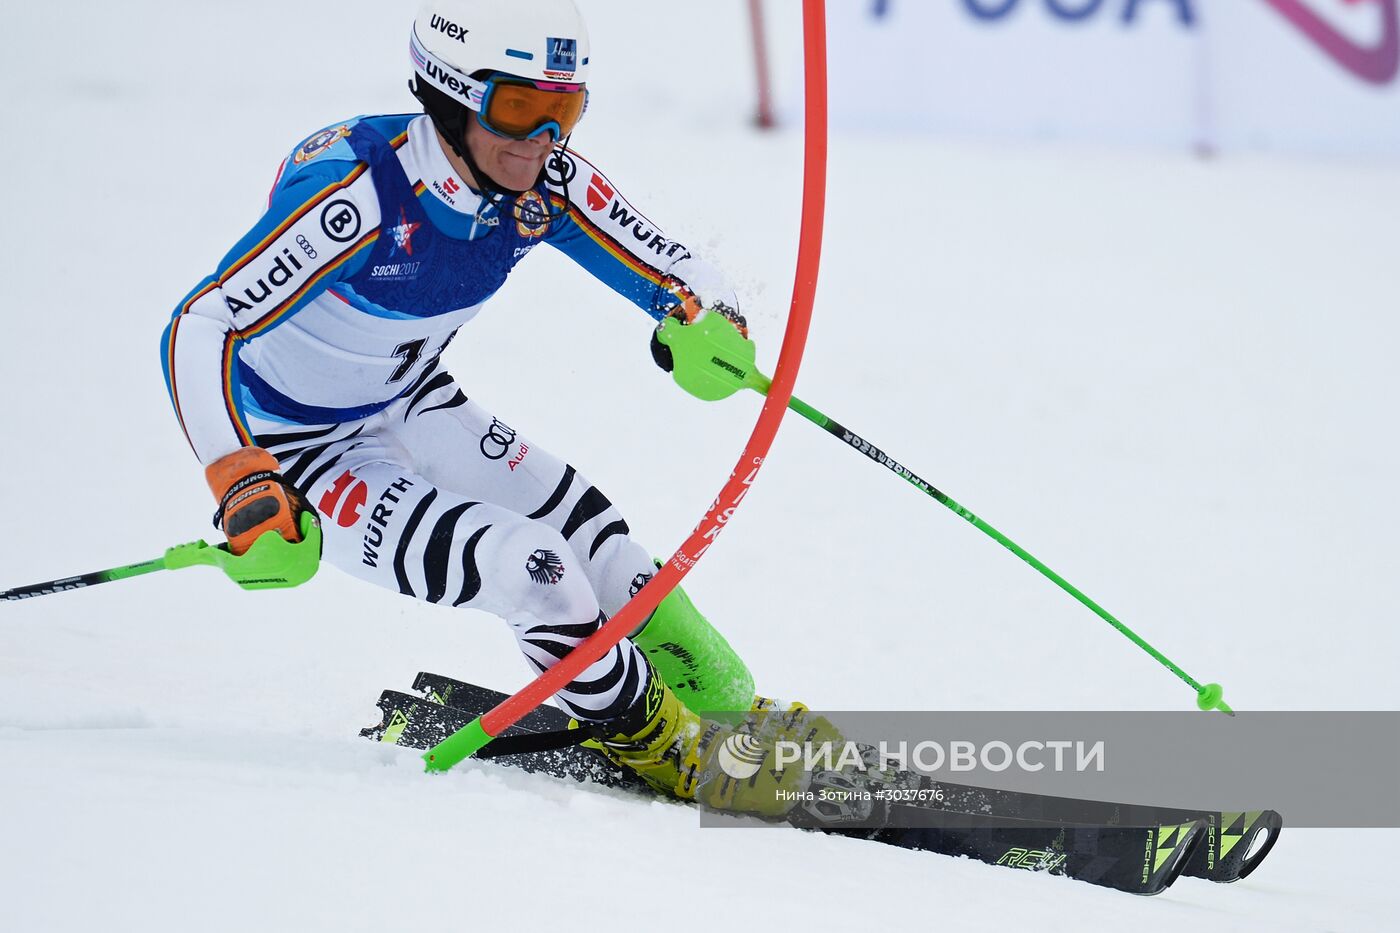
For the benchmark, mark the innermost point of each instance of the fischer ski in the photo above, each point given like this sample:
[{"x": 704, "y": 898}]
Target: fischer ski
[
  {"x": 1232, "y": 845},
  {"x": 1142, "y": 859}
]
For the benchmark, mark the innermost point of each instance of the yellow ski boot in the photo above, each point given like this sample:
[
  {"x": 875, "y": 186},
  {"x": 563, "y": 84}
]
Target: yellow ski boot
[{"x": 724, "y": 767}]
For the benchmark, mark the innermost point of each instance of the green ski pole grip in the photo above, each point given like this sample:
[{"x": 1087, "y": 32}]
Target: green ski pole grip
[
  {"x": 272, "y": 562},
  {"x": 711, "y": 359}
]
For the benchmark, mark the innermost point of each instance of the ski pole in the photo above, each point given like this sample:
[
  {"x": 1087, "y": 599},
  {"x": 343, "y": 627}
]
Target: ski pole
[
  {"x": 271, "y": 563},
  {"x": 714, "y": 363}
]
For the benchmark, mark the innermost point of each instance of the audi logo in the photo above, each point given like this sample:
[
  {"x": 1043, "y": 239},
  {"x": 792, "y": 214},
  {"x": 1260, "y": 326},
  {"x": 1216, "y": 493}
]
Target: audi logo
[{"x": 496, "y": 442}]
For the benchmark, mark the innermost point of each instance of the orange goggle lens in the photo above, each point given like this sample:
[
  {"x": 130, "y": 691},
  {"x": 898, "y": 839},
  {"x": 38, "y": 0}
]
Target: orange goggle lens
[{"x": 521, "y": 110}]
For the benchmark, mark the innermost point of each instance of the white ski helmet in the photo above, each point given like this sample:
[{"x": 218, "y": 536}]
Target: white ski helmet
[{"x": 539, "y": 40}]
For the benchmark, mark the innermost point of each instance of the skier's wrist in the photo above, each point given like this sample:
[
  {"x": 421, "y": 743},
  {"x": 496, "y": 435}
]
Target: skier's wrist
[{"x": 254, "y": 498}]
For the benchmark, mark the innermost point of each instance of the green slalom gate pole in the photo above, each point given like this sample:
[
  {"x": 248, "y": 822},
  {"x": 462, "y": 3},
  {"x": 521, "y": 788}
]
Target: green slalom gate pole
[
  {"x": 712, "y": 361},
  {"x": 271, "y": 563}
]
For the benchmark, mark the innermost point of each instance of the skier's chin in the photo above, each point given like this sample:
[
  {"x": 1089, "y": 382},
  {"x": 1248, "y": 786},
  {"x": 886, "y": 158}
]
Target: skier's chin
[
  {"x": 516, "y": 173},
  {"x": 512, "y": 164}
]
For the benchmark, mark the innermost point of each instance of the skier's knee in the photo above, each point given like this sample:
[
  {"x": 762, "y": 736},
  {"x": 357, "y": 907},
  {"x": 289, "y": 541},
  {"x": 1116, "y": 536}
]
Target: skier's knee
[
  {"x": 618, "y": 571},
  {"x": 539, "y": 576}
]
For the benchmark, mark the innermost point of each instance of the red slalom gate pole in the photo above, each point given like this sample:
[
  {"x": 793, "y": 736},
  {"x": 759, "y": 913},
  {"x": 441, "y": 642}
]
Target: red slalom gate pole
[{"x": 468, "y": 740}]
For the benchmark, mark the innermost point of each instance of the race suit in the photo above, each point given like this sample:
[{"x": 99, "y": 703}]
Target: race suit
[{"x": 320, "y": 337}]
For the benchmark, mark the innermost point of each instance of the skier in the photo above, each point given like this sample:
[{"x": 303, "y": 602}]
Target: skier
[{"x": 307, "y": 375}]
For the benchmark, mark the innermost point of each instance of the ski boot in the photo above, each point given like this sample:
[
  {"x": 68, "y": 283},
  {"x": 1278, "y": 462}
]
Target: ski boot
[
  {"x": 723, "y": 767},
  {"x": 694, "y": 659}
]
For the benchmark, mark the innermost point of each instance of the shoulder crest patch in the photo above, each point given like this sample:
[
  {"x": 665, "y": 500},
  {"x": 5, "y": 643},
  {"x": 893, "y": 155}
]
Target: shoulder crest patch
[{"x": 320, "y": 143}]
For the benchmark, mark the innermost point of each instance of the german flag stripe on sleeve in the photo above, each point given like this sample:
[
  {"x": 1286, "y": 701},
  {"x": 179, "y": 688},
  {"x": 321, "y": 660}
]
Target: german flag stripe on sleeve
[
  {"x": 271, "y": 319},
  {"x": 316, "y": 200},
  {"x": 231, "y": 407},
  {"x": 170, "y": 369},
  {"x": 180, "y": 311},
  {"x": 612, "y": 246},
  {"x": 300, "y": 254}
]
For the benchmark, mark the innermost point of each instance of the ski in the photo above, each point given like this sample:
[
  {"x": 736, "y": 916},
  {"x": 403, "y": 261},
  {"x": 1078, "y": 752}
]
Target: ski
[
  {"x": 1232, "y": 845},
  {"x": 1137, "y": 859}
]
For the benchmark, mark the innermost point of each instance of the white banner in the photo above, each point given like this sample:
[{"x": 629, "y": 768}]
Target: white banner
[{"x": 1309, "y": 75}]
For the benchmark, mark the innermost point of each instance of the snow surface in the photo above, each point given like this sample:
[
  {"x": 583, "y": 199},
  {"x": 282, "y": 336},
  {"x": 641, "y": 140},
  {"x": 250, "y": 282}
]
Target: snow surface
[{"x": 1171, "y": 379}]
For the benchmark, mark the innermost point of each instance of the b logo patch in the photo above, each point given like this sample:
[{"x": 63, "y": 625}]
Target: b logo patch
[{"x": 340, "y": 220}]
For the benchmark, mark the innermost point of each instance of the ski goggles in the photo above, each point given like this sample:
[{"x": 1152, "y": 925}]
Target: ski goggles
[{"x": 517, "y": 108}]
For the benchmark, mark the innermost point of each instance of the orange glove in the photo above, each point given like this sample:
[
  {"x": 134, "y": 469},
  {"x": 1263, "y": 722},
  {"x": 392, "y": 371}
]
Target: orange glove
[{"x": 254, "y": 498}]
